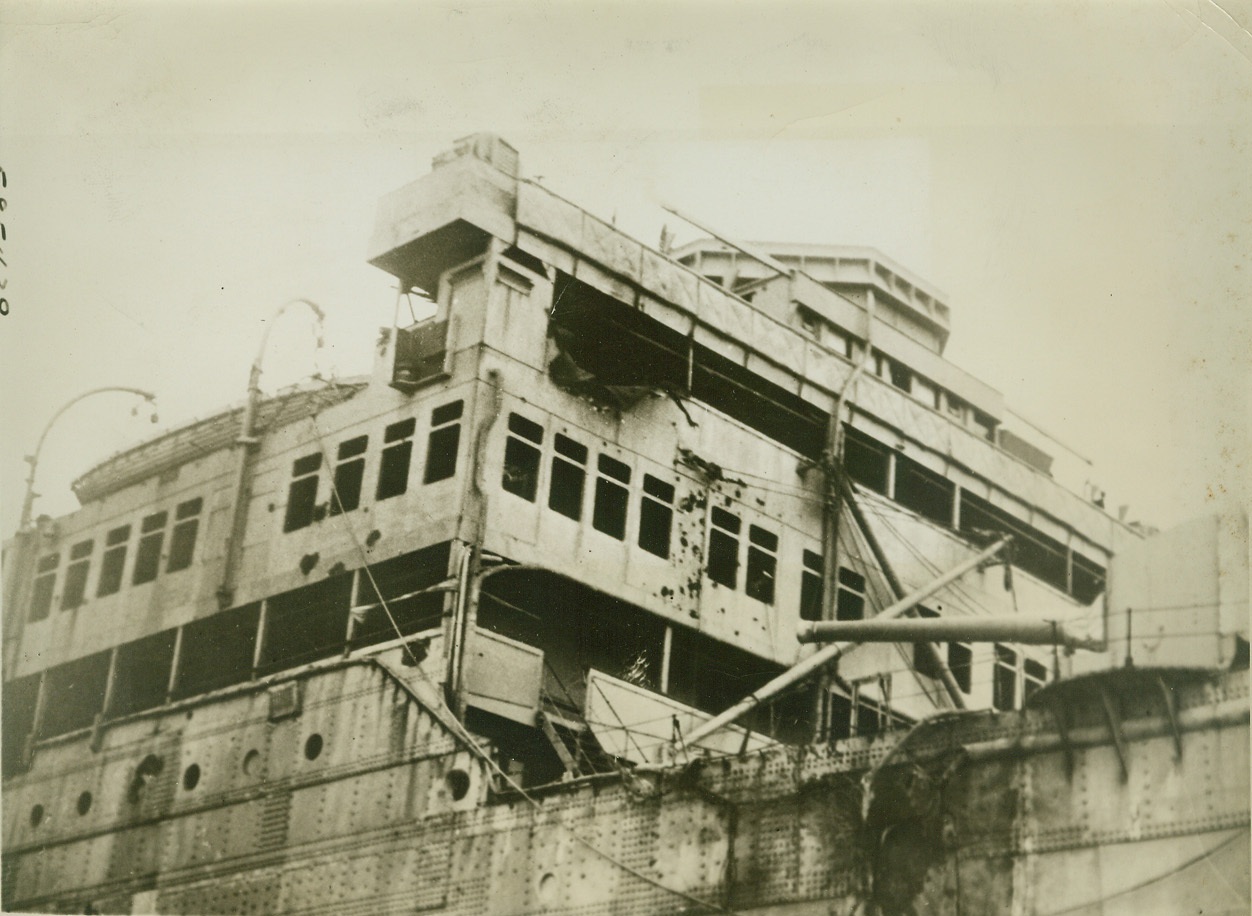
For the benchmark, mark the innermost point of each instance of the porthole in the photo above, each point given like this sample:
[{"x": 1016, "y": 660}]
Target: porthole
[
  {"x": 36, "y": 815},
  {"x": 458, "y": 783},
  {"x": 84, "y": 803},
  {"x": 313, "y": 747},
  {"x": 252, "y": 763},
  {"x": 191, "y": 777}
]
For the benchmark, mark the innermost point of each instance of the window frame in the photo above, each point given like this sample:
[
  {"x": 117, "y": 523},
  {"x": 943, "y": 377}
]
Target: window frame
[
  {"x": 116, "y": 544},
  {"x": 77, "y": 570},
  {"x": 301, "y": 511},
  {"x": 443, "y": 442},
  {"x": 184, "y": 534},
  {"x": 151, "y": 532},
  {"x": 348, "y": 477}
]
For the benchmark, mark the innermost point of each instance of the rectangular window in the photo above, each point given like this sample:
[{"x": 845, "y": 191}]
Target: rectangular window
[
  {"x": 148, "y": 555},
  {"x": 521, "y": 457},
  {"x": 1034, "y": 676},
  {"x": 45, "y": 582},
  {"x": 76, "y": 575},
  {"x": 866, "y": 460},
  {"x": 811, "y": 586},
  {"x": 113, "y": 560},
  {"x": 961, "y": 664},
  {"x": 393, "y": 469},
  {"x": 762, "y": 564},
  {"x": 142, "y": 674},
  {"x": 21, "y": 696},
  {"x": 956, "y": 407},
  {"x": 444, "y": 442},
  {"x": 183, "y": 538},
  {"x": 609, "y": 513},
  {"x": 349, "y": 473},
  {"x": 840, "y": 715},
  {"x": 901, "y": 376},
  {"x": 924, "y": 660},
  {"x": 217, "y": 651},
  {"x": 569, "y": 474},
  {"x": 1004, "y": 683},
  {"x": 927, "y": 493},
  {"x": 724, "y": 547},
  {"x": 302, "y": 494},
  {"x": 75, "y": 693},
  {"x": 656, "y": 515},
  {"x": 850, "y": 595}
]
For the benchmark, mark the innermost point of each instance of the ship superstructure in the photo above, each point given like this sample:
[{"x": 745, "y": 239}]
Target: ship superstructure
[{"x": 581, "y": 506}]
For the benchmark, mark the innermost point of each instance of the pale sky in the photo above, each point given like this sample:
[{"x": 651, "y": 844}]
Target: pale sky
[{"x": 1074, "y": 177}]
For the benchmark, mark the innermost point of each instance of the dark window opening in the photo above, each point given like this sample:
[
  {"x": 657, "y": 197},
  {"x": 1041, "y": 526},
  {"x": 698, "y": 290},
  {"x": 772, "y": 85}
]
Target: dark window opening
[
  {"x": 302, "y": 494},
  {"x": 142, "y": 675},
  {"x": 217, "y": 651},
  {"x": 850, "y": 595},
  {"x": 611, "y": 352},
  {"x": 113, "y": 561},
  {"x": 1032, "y": 551},
  {"x": 521, "y": 457},
  {"x": 43, "y": 586},
  {"x": 840, "y": 716},
  {"x": 444, "y": 442},
  {"x": 961, "y": 664},
  {"x": 869, "y": 717},
  {"x": 20, "y": 697},
  {"x": 656, "y": 516},
  {"x": 148, "y": 554},
  {"x": 712, "y": 676},
  {"x": 399, "y": 581},
  {"x": 608, "y": 515},
  {"x": 924, "y": 658},
  {"x": 985, "y": 424},
  {"x": 762, "y": 564},
  {"x": 1240, "y": 660},
  {"x": 1004, "y": 681},
  {"x": 1087, "y": 579},
  {"x": 349, "y": 473},
  {"x": 569, "y": 473},
  {"x": 393, "y": 469},
  {"x": 811, "y": 586},
  {"x": 577, "y": 628},
  {"x": 183, "y": 539},
  {"x": 1034, "y": 676},
  {"x": 723, "y": 560},
  {"x": 928, "y": 494},
  {"x": 75, "y": 692},
  {"x": 75, "y": 589},
  {"x": 865, "y": 460},
  {"x": 756, "y": 402},
  {"x": 901, "y": 376},
  {"x": 306, "y": 624}
]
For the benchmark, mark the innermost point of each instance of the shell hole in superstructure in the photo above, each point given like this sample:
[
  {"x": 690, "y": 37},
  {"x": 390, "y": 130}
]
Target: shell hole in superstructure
[
  {"x": 191, "y": 777},
  {"x": 313, "y": 747},
  {"x": 84, "y": 803},
  {"x": 149, "y": 768},
  {"x": 36, "y": 815},
  {"x": 252, "y": 763},
  {"x": 458, "y": 783}
]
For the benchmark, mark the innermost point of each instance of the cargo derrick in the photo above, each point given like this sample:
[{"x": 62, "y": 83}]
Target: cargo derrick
[{"x": 504, "y": 626}]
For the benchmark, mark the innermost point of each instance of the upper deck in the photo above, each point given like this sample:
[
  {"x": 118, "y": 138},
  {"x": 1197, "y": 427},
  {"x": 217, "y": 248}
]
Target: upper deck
[{"x": 581, "y": 404}]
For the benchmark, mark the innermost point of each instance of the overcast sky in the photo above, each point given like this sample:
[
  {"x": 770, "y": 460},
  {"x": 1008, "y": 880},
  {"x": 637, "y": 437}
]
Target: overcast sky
[{"x": 1075, "y": 178}]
